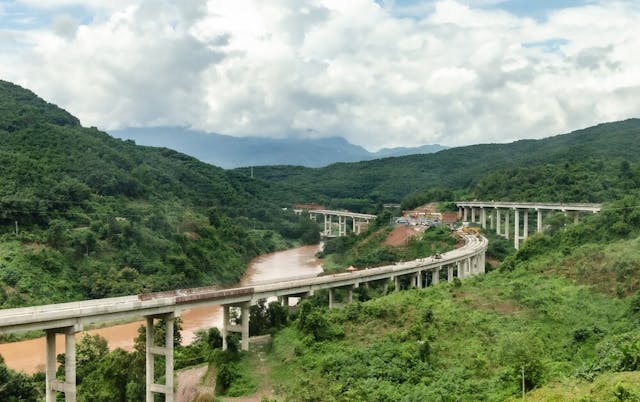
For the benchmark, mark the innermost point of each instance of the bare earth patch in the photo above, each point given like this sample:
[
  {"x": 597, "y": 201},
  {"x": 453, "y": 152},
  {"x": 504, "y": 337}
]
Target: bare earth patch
[
  {"x": 189, "y": 383},
  {"x": 402, "y": 233},
  {"x": 505, "y": 307}
]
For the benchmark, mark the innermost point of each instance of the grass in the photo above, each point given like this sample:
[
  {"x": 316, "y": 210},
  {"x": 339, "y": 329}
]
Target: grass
[
  {"x": 609, "y": 387},
  {"x": 549, "y": 315}
]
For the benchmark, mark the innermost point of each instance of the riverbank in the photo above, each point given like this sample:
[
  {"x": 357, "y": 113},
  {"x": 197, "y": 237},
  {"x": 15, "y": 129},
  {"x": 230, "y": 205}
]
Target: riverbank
[{"x": 29, "y": 355}]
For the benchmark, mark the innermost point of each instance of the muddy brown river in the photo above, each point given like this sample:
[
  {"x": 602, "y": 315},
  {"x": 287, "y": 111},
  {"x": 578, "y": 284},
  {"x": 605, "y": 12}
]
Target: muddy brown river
[{"x": 28, "y": 356}]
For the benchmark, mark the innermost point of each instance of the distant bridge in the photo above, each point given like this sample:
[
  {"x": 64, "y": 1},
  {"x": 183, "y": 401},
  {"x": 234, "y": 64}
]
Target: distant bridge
[
  {"x": 342, "y": 221},
  {"x": 497, "y": 210},
  {"x": 69, "y": 318}
]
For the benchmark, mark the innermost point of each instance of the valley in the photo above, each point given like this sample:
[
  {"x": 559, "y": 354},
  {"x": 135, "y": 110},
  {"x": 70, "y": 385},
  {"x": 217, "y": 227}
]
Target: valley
[{"x": 86, "y": 216}]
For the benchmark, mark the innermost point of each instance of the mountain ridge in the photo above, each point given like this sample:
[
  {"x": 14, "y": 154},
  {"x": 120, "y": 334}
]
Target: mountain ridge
[
  {"x": 233, "y": 152},
  {"x": 390, "y": 179}
]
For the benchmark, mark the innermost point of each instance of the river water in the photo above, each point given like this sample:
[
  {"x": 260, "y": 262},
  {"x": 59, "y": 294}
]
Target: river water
[{"x": 29, "y": 356}]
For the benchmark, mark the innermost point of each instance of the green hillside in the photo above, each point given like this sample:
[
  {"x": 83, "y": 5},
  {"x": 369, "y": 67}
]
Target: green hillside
[
  {"x": 84, "y": 215},
  {"x": 565, "y": 309},
  {"x": 358, "y": 185}
]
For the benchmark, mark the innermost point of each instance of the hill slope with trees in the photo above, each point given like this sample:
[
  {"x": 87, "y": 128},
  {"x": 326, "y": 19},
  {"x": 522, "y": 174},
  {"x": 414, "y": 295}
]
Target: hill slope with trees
[
  {"x": 582, "y": 154},
  {"x": 84, "y": 215}
]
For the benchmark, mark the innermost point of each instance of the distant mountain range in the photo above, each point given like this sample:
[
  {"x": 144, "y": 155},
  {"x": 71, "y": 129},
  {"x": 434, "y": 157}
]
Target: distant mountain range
[{"x": 232, "y": 152}]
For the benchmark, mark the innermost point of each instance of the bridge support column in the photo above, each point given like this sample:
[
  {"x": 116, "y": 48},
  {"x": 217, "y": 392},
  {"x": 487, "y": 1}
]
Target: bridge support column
[
  {"x": 516, "y": 229},
  {"x": 332, "y": 295},
  {"x": 243, "y": 328},
  {"x": 576, "y": 217},
  {"x": 539, "y": 221},
  {"x": 493, "y": 219},
  {"x": 460, "y": 266},
  {"x": 498, "y": 218},
  {"x": 507, "y": 229},
  {"x": 525, "y": 234},
  {"x": 350, "y": 294},
  {"x": 353, "y": 229},
  {"x": 459, "y": 213},
  {"x": 166, "y": 351},
  {"x": 419, "y": 284},
  {"x": 473, "y": 214},
  {"x": 435, "y": 276},
  {"x": 483, "y": 218},
  {"x": 68, "y": 386},
  {"x": 284, "y": 301},
  {"x": 450, "y": 273},
  {"x": 396, "y": 283},
  {"x": 465, "y": 214},
  {"x": 327, "y": 224}
]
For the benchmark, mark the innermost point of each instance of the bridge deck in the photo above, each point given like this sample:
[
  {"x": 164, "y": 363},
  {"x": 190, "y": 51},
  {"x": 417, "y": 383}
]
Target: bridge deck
[
  {"x": 104, "y": 310},
  {"x": 342, "y": 213},
  {"x": 532, "y": 205}
]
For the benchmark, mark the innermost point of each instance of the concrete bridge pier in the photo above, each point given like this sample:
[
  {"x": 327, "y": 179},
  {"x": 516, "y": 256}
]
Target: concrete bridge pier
[
  {"x": 493, "y": 219},
  {"x": 539, "y": 221},
  {"x": 473, "y": 214},
  {"x": 435, "y": 276},
  {"x": 483, "y": 218},
  {"x": 465, "y": 216},
  {"x": 450, "y": 273},
  {"x": 506, "y": 224},
  {"x": 350, "y": 293},
  {"x": 243, "y": 328},
  {"x": 68, "y": 386},
  {"x": 332, "y": 295},
  {"x": 460, "y": 269},
  {"x": 516, "y": 229},
  {"x": 419, "y": 281},
  {"x": 327, "y": 224},
  {"x": 166, "y": 351},
  {"x": 498, "y": 217},
  {"x": 396, "y": 283}
]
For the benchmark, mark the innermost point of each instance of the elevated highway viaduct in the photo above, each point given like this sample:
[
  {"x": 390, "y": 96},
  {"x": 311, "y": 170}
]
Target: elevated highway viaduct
[
  {"x": 342, "y": 220},
  {"x": 499, "y": 214},
  {"x": 70, "y": 318}
]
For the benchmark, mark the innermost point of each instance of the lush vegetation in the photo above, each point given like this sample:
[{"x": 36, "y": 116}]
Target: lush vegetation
[
  {"x": 564, "y": 309},
  {"x": 369, "y": 250},
  {"x": 596, "y": 149},
  {"x": 83, "y": 215}
]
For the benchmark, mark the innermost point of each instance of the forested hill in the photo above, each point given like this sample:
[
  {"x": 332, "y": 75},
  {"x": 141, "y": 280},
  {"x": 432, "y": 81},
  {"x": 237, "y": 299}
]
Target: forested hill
[
  {"x": 592, "y": 149},
  {"x": 85, "y": 215}
]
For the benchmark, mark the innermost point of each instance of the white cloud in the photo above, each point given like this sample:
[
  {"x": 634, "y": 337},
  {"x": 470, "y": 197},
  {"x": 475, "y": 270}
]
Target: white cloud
[{"x": 454, "y": 74}]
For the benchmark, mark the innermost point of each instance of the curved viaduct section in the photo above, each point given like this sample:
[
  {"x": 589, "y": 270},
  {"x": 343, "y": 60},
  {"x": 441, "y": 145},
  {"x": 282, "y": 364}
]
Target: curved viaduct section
[{"x": 69, "y": 318}]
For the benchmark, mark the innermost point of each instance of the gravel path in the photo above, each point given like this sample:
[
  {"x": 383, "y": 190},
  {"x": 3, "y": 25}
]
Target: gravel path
[{"x": 189, "y": 383}]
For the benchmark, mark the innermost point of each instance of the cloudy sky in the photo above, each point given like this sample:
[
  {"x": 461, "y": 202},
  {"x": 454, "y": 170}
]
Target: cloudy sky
[{"x": 380, "y": 73}]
